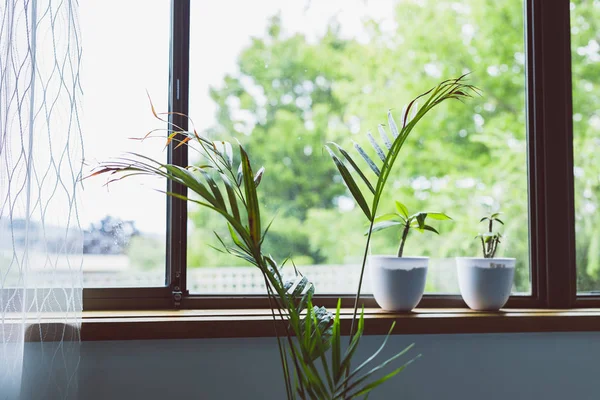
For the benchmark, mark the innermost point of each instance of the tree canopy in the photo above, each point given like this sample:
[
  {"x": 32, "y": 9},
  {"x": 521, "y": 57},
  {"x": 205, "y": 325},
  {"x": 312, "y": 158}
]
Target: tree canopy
[{"x": 292, "y": 95}]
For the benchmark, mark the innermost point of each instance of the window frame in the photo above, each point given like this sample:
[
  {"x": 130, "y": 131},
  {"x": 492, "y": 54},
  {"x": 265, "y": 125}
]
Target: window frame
[{"x": 550, "y": 182}]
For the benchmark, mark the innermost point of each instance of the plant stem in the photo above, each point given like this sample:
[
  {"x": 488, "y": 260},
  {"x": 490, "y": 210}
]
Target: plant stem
[
  {"x": 360, "y": 281},
  {"x": 403, "y": 240},
  {"x": 485, "y": 255},
  {"x": 491, "y": 242}
]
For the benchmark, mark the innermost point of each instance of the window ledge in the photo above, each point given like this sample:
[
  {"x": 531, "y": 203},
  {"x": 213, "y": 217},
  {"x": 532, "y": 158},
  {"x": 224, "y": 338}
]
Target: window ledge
[{"x": 192, "y": 324}]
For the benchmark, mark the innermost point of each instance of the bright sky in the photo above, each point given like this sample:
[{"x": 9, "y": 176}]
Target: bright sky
[{"x": 124, "y": 57}]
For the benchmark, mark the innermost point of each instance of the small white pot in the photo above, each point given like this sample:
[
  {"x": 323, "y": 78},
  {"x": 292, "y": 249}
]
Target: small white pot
[
  {"x": 398, "y": 282},
  {"x": 485, "y": 283}
]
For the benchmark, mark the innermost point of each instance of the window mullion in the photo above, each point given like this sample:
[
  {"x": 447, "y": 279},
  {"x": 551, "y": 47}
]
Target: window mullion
[
  {"x": 551, "y": 153},
  {"x": 178, "y": 103}
]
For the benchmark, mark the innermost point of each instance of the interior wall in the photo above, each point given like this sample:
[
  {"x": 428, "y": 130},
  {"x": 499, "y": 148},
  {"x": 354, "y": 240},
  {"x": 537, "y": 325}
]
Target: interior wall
[{"x": 463, "y": 367}]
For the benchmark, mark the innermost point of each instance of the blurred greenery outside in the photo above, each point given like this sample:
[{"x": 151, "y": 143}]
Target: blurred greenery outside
[{"x": 463, "y": 159}]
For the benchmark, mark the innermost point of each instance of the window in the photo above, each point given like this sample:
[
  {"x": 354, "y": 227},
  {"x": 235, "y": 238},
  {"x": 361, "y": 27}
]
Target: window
[
  {"x": 297, "y": 74},
  {"x": 124, "y": 233},
  {"x": 585, "y": 49},
  {"x": 289, "y": 81}
]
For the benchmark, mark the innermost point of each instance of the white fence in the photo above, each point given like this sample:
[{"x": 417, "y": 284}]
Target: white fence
[{"x": 248, "y": 280}]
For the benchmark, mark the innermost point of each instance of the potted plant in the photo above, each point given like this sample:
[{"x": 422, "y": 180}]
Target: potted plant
[
  {"x": 485, "y": 283},
  {"x": 315, "y": 364},
  {"x": 398, "y": 282},
  {"x": 374, "y": 176}
]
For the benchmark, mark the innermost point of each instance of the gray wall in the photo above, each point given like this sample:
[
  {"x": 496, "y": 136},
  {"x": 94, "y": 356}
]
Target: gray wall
[{"x": 462, "y": 367}]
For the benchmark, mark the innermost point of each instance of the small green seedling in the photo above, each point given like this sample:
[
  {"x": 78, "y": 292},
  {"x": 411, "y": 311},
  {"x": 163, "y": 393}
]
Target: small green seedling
[
  {"x": 490, "y": 239},
  {"x": 401, "y": 217}
]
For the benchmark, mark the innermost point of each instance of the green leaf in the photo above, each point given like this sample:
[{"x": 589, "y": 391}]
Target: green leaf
[
  {"x": 376, "y": 147},
  {"x": 258, "y": 176},
  {"x": 351, "y": 184},
  {"x": 392, "y": 124},
  {"x": 347, "y": 360},
  {"x": 379, "y": 381},
  {"x": 336, "y": 345},
  {"x": 430, "y": 228},
  {"x": 421, "y": 219},
  {"x": 354, "y": 166},
  {"x": 251, "y": 198},
  {"x": 214, "y": 187},
  {"x": 383, "y": 225},
  {"x": 240, "y": 175},
  {"x": 189, "y": 180},
  {"x": 366, "y": 376},
  {"x": 384, "y": 136},
  {"x": 438, "y": 216},
  {"x": 225, "y": 150},
  {"x": 232, "y": 199},
  {"x": 496, "y": 219},
  {"x": 235, "y": 238},
  {"x": 388, "y": 217},
  {"x": 367, "y": 159},
  {"x": 402, "y": 210}
]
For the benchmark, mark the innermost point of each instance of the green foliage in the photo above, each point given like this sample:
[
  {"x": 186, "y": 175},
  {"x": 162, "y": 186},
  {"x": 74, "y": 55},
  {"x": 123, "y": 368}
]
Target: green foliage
[
  {"x": 314, "y": 91},
  {"x": 306, "y": 333},
  {"x": 490, "y": 239},
  {"x": 402, "y": 218},
  {"x": 452, "y": 89}
]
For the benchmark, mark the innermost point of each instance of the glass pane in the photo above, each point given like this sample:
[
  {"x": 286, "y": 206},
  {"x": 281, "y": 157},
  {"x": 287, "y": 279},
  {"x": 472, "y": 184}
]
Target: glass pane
[
  {"x": 124, "y": 57},
  {"x": 585, "y": 39},
  {"x": 294, "y": 75}
]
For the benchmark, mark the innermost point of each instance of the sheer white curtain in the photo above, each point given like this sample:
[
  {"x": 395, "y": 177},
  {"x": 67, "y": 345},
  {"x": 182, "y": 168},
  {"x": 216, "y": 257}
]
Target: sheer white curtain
[{"x": 41, "y": 156}]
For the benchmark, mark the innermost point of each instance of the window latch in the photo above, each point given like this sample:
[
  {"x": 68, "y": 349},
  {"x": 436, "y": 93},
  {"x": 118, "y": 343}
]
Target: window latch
[{"x": 177, "y": 293}]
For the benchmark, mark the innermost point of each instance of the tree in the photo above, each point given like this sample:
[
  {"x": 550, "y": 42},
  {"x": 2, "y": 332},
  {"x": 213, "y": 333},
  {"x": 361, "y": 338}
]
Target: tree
[{"x": 292, "y": 95}]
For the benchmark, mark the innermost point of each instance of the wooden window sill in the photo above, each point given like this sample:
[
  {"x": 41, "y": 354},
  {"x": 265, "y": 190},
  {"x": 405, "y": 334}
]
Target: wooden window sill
[{"x": 195, "y": 324}]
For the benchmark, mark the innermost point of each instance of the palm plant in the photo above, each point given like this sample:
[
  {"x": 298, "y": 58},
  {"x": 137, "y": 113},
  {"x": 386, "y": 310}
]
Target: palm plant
[
  {"x": 449, "y": 89},
  {"x": 309, "y": 337}
]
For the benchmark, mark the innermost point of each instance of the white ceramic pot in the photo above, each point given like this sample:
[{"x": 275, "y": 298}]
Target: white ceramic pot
[
  {"x": 398, "y": 282},
  {"x": 485, "y": 283}
]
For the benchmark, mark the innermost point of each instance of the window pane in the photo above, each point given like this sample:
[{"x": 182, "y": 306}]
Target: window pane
[
  {"x": 585, "y": 39},
  {"x": 294, "y": 75},
  {"x": 124, "y": 242}
]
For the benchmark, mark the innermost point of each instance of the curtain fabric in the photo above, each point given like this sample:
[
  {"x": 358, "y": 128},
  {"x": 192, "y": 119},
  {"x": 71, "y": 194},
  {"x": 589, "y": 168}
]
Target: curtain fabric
[{"x": 41, "y": 155}]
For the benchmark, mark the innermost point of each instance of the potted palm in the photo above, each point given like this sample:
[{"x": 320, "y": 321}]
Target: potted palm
[
  {"x": 368, "y": 195},
  {"x": 315, "y": 364},
  {"x": 398, "y": 282},
  {"x": 486, "y": 282}
]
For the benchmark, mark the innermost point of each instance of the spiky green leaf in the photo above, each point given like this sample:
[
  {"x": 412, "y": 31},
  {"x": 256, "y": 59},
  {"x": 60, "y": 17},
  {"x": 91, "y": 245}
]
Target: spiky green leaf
[
  {"x": 354, "y": 166},
  {"x": 367, "y": 159},
  {"x": 351, "y": 184}
]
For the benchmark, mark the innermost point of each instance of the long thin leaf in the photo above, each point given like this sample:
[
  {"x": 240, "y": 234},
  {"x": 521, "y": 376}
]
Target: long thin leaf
[
  {"x": 214, "y": 188},
  {"x": 231, "y": 196},
  {"x": 384, "y": 136},
  {"x": 367, "y": 159},
  {"x": 251, "y": 198},
  {"x": 354, "y": 166},
  {"x": 384, "y": 225},
  {"x": 336, "y": 346},
  {"x": 368, "y": 388},
  {"x": 258, "y": 176},
  {"x": 392, "y": 124},
  {"x": 376, "y": 147},
  {"x": 351, "y": 184}
]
